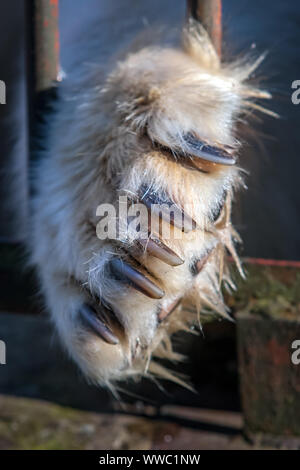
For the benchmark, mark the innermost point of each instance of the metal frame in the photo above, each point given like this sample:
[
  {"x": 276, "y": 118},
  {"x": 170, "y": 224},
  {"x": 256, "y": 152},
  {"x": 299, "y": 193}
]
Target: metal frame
[
  {"x": 209, "y": 13},
  {"x": 46, "y": 43}
]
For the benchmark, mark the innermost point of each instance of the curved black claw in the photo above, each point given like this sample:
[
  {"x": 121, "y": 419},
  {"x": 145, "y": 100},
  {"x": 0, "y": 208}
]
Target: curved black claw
[
  {"x": 167, "y": 210},
  {"x": 200, "y": 149},
  {"x": 158, "y": 249},
  {"x": 124, "y": 272},
  {"x": 91, "y": 318}
]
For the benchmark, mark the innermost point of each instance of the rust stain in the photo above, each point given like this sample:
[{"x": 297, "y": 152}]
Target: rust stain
[
  {"x": 209, "y": 13},
  {"x": 47, "y": 42},
  {"x": 279, "y": 354},
  {"x": 272, "y": 262},
  {"x": 54, "y": 13}
]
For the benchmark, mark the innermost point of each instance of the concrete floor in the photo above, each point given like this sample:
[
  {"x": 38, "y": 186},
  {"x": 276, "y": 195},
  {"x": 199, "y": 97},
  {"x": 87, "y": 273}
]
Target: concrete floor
[
  {"x": 34, "y": 424},
  {"x": 46, "y": 404}
]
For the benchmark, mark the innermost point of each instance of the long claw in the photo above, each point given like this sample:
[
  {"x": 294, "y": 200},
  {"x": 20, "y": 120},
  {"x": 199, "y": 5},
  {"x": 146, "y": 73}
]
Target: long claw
[
  {"x": 200, "y": 149},
  {"x": 202, "y": 262},
  {"x": 167, "y": 210},
  {"x": 125, "y": 272},
  {"x": 90, "y": 317},
  {"x": 158, "y": 249},
  {"x": 165, "y": 312},
  {"x": 197, "y": 266}
]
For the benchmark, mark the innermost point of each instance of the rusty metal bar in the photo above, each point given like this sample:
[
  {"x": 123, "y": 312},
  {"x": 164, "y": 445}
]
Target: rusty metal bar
[
  {"x": 46, "y": 47},
  {"x": 209, "y": 13}
]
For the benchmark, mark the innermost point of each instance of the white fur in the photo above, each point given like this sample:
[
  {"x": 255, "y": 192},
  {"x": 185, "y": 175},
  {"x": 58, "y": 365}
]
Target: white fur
[{"x": 97, "y": 151}]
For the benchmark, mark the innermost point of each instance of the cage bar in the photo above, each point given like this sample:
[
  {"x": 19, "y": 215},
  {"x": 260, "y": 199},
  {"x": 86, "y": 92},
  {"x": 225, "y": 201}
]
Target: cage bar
[
  {"x": 46, "y": 43},
  {"x": 209, "y": 13}
]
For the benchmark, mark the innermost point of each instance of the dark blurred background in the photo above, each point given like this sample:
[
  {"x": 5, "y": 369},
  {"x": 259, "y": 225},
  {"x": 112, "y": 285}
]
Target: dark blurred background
[{"x": 266, "y": 215}]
